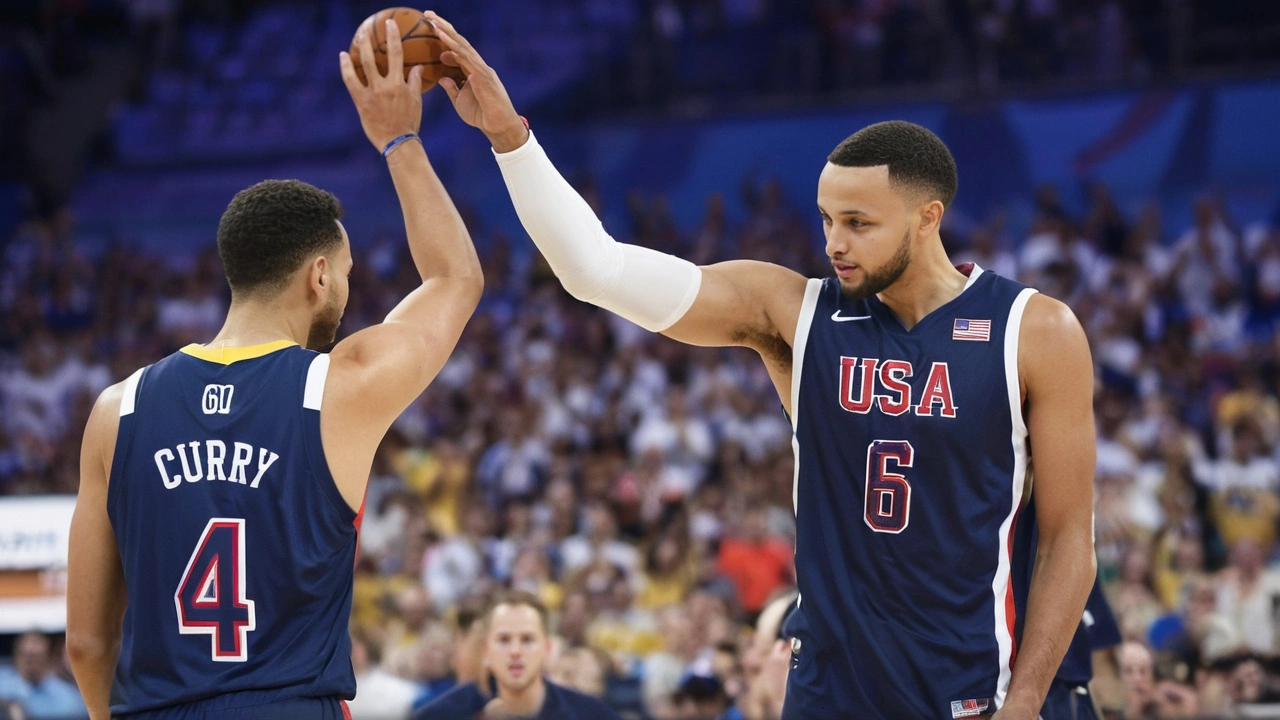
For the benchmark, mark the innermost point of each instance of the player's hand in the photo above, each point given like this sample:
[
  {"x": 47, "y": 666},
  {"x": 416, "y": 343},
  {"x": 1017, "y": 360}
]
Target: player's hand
[
  {"x": 481, "y": 100},
  {"x": 389, "y": 105}
]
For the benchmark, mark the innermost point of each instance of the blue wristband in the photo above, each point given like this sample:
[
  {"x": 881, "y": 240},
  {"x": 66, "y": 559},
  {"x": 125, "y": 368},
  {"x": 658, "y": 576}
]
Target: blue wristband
[{"x": 397, "y": 142}]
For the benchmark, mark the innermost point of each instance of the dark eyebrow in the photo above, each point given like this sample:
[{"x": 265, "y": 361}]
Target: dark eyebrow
[{"x": 851, "y": 211}]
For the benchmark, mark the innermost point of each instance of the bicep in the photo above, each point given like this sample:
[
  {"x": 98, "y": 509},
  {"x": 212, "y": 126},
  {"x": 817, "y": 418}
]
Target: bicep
[
  {"x": 743, "y": 303},
  {"x": 95, "y": 577},
  {"x": 383, "y": 368},
  {"x": 1057, "y": 371}
]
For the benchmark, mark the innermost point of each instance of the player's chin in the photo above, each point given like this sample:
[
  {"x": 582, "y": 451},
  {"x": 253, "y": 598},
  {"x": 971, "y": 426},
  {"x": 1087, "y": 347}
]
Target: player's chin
[{"x": 853, "y": 288}]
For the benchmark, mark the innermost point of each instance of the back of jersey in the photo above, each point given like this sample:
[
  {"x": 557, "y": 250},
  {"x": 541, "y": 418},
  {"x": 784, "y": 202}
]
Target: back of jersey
[{"x": 238, "y": 548}]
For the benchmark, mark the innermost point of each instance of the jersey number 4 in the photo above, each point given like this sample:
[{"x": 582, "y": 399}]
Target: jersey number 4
[
  {"x": 887, "y": 504},
  {"x": 211, "y": 595}
]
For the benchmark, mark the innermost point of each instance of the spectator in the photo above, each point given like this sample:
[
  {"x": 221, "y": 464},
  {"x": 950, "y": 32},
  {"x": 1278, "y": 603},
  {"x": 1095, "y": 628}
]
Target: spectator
[
  {"x": 431, "y": 664},
  {"x": 599, "y": 540},
  {"x": 379, "y": 694},
  {"x": 452, "y": 565},
  {"x": 33, "y": 684},
  {"x": 1248, "y": 593},
  {"x": 757, "y": 563},
  {"x": 584, "y": 669}
]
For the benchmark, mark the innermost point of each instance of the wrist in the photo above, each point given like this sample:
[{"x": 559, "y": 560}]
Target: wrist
[
  {"x": 1018, "y": 710},
  {"x": 391, "y": 145},
  {"x": 511, "y": 137}
]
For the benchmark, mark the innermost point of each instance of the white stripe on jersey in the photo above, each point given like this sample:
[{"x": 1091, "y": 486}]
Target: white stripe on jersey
[
  {"x": 129, "y": 399},
  {"x": 313, "y": 395},
  {"x": 808, "y": 306},
  {"x": 1000, "y": 584}
]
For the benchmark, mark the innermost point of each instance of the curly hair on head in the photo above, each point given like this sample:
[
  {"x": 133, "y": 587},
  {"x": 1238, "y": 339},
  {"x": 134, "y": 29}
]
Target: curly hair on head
[
  {"x": 918, "y": 160},
  {"x": 270, "y": 229}
]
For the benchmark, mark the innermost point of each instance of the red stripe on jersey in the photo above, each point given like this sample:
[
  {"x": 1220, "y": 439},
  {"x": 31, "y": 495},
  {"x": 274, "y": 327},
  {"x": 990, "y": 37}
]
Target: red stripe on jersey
[
  {"x": 1011, "y": 610},
  {"x": 357, "y": 522}
]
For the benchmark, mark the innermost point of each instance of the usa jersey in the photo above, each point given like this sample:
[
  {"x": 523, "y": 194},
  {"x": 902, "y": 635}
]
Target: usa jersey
[
  {"x": 911, "y": 460},
  {"x": 238, "y": 549}
]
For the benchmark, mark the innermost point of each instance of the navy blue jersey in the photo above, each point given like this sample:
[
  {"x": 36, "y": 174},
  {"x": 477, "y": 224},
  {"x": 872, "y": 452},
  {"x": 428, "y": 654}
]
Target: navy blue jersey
[
  {"x": 465, "y": 702},
  {"x": 238, "y": 549},
  {"x": 911, "y": 459}
]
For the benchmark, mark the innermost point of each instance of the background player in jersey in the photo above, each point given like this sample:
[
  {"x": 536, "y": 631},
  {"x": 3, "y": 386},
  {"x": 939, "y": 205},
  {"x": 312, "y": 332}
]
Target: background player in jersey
[
  {"x": 212, "y": 575},
  {"x": 516, "y": 648},
  {"x": 916, "y": 391},
  {"x": 1071, "y": 694}
]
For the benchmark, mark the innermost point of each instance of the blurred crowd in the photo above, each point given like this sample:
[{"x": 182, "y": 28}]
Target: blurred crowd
[
  {"x": 642, "y": 489},
  {"x": 172, "y": 81}
]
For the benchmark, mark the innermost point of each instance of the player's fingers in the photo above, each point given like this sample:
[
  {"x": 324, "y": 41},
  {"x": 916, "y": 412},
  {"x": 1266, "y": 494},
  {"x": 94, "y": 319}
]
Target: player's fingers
[
  {"x": 450, "y": 87},
  {"x": 467, "y": 55},
  {"x": 415, "y": 80},
  {"x": 449, "y": 57},
  {"x": 349, "y": 77},
  {"x": 395, "y": 52},
  {"x": 364, "y": 45}
]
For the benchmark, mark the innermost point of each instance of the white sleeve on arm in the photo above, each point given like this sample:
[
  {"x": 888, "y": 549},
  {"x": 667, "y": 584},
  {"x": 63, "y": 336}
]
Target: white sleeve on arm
[{"x": 649, "y": 288}]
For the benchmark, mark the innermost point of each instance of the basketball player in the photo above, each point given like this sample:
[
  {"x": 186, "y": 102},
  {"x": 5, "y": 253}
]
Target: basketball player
[
  {"x": 1070, "y": 696},
  {"x": 516, "y": 649},
  {"x": 214, "y": 539},
  {"x": 917, "y": 392}
]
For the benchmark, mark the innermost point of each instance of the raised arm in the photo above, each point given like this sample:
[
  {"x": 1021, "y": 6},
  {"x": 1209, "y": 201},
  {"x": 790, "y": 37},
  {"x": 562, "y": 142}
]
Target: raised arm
[
  {"x": 376, "y": 373},
  {"x": 752, "y": 304},
  {"x": 95, "y": 579},
  {"x": 1057, "y": 374}
]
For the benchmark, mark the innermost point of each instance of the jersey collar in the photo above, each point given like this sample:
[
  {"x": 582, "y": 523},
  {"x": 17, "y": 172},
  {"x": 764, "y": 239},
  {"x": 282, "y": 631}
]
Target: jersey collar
[{"x": 228, "y": 355}]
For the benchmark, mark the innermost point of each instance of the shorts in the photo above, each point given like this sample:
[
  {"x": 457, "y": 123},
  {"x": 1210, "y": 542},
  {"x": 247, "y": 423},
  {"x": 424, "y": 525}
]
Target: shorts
[
  {"x": 249, "y": 705},
  {"x": 1068, "y": 701}
]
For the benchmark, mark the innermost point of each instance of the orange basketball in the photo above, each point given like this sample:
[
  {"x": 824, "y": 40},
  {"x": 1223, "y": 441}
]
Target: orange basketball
[{"x": 417, "y": 37}]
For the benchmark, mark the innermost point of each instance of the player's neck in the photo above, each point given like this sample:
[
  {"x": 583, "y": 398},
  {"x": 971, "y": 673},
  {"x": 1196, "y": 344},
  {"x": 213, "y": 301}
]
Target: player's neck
[
  {"x": 526, "y": 702},
  {"x": 251, "y": 322},
  {"x": 928, "y": 283}
]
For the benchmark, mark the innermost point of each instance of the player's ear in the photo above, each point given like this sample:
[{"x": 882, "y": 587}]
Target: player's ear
[
  {"x": 319, "y": 273},
  {"x": 931, "y": 216}
]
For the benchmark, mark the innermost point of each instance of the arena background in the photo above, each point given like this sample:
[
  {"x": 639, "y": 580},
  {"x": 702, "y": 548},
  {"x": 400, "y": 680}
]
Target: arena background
[{"x": 1121, "y": 155}]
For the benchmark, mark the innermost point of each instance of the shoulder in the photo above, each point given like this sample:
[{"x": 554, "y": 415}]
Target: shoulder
[
  {"x": 104, "y": 419},
  {"x": 1052, "y": 345},
  {"x": 110, "y": 399},
  {"x": 575, "y": 705},
  {"x": 460, "y": 703},
  {"x": 1048, "y": 315}
]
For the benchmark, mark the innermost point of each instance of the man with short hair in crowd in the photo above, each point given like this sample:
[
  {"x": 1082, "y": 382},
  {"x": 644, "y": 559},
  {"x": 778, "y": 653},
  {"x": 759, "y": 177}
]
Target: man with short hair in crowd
[
  {"x": 517, "y": 644},
  {"x": 34, "y": 685}
]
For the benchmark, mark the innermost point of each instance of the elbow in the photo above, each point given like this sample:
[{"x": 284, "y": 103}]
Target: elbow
[
  {"x": 85, "y": 648},
  {"x": 472, "y": 289},
  {"x": 1074, "y": 547}
]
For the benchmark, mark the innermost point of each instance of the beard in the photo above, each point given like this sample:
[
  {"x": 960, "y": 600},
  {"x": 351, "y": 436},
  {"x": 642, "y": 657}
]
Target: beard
[
  {"x": 324, "y": 327},
  {"x": 881, "y": 278}
]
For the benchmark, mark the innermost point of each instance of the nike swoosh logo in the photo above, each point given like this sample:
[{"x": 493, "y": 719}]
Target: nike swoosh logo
[{"x": 848, "y": 318}]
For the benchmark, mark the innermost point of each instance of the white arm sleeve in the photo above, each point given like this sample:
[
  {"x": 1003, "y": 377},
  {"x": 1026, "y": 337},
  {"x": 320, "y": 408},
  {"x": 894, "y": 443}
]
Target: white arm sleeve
[{"x": 649, "y": 288}]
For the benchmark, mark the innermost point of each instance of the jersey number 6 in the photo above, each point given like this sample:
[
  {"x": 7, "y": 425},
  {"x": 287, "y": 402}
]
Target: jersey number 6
[
  {"x": 211, "y": 595},
  {"x": 887, "y": 504}
]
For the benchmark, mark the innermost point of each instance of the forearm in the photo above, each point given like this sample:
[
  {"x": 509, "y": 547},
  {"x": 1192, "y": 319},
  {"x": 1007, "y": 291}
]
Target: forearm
[
  {"x": 438, "y": 240},
  {"x": 94, "y": 665},
  {"x": 1060, "y": 584},
  {"x": 647, "y": 287}
]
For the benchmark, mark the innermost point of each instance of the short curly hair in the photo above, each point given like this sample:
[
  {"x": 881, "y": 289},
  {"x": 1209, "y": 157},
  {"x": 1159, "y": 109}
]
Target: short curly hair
[
  {"x": 271, "y": 228},
  {"x": 917, "y": 159}
]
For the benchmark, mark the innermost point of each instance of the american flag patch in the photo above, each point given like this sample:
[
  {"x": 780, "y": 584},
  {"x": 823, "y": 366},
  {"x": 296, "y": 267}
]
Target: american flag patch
[
  {"x": 976, "y": 330},
  {"x": 968, "y": 708}
]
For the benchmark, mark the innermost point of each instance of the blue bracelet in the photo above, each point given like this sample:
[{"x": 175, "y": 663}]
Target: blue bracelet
[{"x": 397, "y": 142}]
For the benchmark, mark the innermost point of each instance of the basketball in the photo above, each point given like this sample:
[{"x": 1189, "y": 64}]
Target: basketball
[{"x": 417, "y": 37}]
